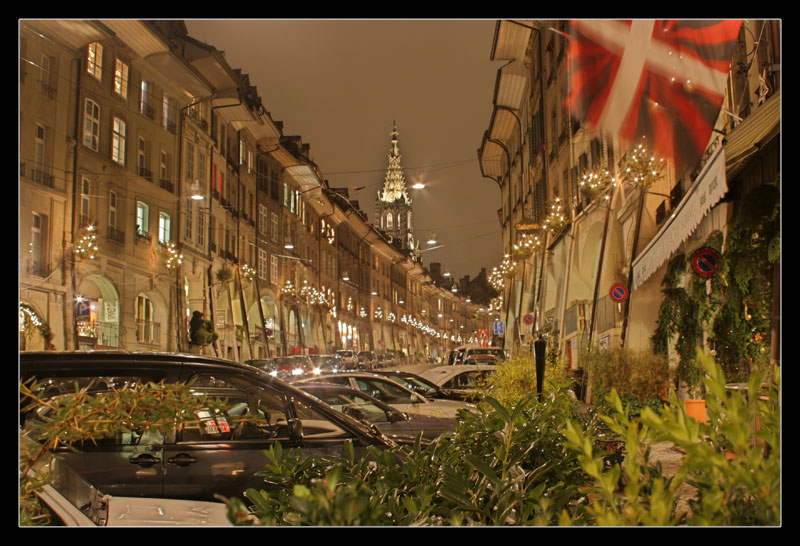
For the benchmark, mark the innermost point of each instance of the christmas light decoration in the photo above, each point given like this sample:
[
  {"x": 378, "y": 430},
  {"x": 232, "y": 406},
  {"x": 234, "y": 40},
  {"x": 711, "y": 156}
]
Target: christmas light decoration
[
  {"x": 288, "y": 289},
  {"x": 595, "y": 183},
  {"x": 526, "y": 245},
  {"x": 508, "y": 267},
  {"x": 174, "y": 259},
  {"x": 555, "y": 220},
  {"x": 642, "y": 169},
  {"x": 248, "y": 272},
  {"x": 496, "y": 279},
  {"x": 87, "y": 244}
]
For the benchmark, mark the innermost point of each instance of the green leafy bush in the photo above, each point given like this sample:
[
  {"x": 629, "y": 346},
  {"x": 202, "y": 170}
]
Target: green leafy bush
[
  {"x": 733, "y": 462},
  {"x": 503, "y": 466},
  {"x": 640, "y": 378}
]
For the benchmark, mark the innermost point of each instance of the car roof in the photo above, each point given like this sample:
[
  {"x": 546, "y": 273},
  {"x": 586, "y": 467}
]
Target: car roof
[{"x": 446, "y": 372}]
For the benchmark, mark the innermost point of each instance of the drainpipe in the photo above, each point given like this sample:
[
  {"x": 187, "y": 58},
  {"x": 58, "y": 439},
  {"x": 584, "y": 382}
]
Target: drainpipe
[{"x": 69, "y": 309}]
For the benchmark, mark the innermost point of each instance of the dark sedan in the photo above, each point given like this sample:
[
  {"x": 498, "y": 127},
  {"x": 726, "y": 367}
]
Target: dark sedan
[
  {"x": 401, "y": 427},
  {"x": 419, "y": 384},
  {"x": 215, "y": 455}
]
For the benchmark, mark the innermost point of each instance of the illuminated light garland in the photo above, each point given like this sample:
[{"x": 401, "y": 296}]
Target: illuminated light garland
[
  {"x": 248, "y": 272},
  {"x": 555, "y": 220},
  {"x": 174, "y": 259},
  {"x": 526, "y": 245},
  {"x": 508, "y": 267},
  {"x": 496, "y": 280},
  {"x": 289, "y": 289},
  {"x": 642, "y": 170},
  {"x": 87, "y": 245},
  {"x": 595, "y": 183}
]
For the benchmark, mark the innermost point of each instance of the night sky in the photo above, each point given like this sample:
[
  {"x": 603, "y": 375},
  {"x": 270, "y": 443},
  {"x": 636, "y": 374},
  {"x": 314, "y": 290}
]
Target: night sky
[{"x": 340, "y": 84}]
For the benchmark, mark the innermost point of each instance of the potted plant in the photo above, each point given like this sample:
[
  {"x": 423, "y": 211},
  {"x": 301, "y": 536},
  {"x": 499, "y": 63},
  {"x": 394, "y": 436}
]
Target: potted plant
[{"x": 201, "y": 331}]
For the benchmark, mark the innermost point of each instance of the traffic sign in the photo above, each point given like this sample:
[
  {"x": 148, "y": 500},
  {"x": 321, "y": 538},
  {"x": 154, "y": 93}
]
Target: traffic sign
[
  {"x": 705, "y": 262},
  {"x": 527, "y": 319},
  {"x": 499, "y": 328},
  {"x": 619, "y": 293}
]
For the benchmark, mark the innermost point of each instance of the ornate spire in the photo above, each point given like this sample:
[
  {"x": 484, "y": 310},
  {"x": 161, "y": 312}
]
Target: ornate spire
[{"x": 394, "y": 185}]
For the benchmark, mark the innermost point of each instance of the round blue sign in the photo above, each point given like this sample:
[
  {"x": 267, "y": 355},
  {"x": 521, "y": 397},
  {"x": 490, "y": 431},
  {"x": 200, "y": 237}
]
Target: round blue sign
[{"x": 619, "y": 292}]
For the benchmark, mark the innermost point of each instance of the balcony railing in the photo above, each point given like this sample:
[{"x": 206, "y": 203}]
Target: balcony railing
[
  {"x": 167, "y": 185},
  {"x": 116, "y": 235}
]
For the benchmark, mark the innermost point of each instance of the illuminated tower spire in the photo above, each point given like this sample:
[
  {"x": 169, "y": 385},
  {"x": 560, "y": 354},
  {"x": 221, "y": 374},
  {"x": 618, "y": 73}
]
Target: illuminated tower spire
[{"x": 393, "y": 206}]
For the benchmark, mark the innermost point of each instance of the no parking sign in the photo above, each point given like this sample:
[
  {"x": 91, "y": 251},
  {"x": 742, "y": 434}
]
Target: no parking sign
[
  {"x": 619, "y": 293},
  {"x": 705, "y": 262}
]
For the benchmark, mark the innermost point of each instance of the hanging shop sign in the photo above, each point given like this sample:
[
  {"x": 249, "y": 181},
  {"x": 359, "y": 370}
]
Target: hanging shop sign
[
  {"x": 619, "y": 293},
  {"x": 705, "y": 262}
]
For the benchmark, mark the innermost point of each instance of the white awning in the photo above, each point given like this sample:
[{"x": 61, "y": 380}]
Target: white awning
[{"x": 706, "y": 191}]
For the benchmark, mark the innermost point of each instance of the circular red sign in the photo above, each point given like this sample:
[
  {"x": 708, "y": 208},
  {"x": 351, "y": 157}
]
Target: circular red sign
[
  {"x": 619, "y": 292},
  {"x": 705, "y": 262},
  {"x": 527, "y": 319}
]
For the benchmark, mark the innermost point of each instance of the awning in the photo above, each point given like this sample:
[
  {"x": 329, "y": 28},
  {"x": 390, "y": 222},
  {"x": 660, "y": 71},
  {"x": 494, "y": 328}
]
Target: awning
[
  {"x": 706, "y": 191},
  {"x": 753, "y": 133}
]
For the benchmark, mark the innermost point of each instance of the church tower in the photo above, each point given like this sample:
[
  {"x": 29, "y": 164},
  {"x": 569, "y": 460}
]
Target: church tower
[{"x": 393, "y": 207}]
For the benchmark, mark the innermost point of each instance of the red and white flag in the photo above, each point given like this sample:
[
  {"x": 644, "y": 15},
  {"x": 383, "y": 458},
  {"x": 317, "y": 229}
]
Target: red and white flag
[{"x": 658, "y": 79}]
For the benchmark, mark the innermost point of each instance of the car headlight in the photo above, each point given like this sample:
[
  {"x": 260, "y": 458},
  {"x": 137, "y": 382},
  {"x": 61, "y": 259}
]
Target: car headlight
[
  {"x": 297, "y": 371},
  {"x": 316, "y": 371}
]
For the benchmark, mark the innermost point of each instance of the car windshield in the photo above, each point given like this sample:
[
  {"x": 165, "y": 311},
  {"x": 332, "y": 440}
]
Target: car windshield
[
  {"x": 387, "y": 391},
  {"x": 353, "y": 404},
  {"x": 416, "y": 384}
]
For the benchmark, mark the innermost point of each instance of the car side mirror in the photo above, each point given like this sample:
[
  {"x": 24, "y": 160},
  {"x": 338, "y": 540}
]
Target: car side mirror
[{"x": 395, "y": 416}]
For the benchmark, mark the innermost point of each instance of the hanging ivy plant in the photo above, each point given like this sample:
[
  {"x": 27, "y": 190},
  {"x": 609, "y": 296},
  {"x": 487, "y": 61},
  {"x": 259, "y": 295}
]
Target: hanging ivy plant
[
  {"x": 742, "y": 327},
  {"x": 736, "y": 312}
]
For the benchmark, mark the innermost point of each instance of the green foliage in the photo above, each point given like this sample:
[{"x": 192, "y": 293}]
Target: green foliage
[
  {"x": 503, "y": 466},
  {"x": 201, "y": 331},
  {"x": 741, "y": 331},
  {"x": 640, "y": 378},
  {"x": 733, "y": 464},
  {"x": 82, "y": 416}
]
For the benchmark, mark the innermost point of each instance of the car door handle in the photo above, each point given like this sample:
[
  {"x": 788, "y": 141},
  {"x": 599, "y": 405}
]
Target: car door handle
[
  {"x": 182, "y": 460},
  {"x": 145, "y": 460}
]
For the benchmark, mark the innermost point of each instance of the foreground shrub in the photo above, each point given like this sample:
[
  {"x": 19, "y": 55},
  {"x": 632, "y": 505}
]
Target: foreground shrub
[
  {"x": 503, "y": 466},
  {"x": 733, "y": 461},
  {"x": 639, "y": 378}
]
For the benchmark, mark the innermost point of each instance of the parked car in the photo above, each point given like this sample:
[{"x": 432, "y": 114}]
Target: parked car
[
  {"x": 72, "y": 502},
  {"x": 460, "y": 381},
  {"x": 220, "y": 453},
  {"x": 386, "y": 361},
  {"x": 418, "y": 384},
  {"x": 349, "y": 358},
  {"x": 459, "y": 354},
  {"x": 321, "y": 364},
  {"x": 401, "y": 427},
  {"x": 390, "y": 392},
  {"x": 265, "y": 364},
  {"x": 480, "y": 360},
  {"x": 293, "y": 366},
  {"x": 366, "y": 360}
]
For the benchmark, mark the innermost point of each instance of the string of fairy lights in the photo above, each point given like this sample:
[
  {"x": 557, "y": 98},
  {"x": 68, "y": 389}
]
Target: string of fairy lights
[{"x": 639, "y": 168}]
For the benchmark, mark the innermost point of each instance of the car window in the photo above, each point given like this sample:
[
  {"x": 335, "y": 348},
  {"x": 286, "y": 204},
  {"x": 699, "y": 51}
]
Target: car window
[
  {"x": 354, "y": 405},
  {"x": 315, "y": 424},
  {"x": 249, "y": 412},
  {"x": 385, "y": 391}
]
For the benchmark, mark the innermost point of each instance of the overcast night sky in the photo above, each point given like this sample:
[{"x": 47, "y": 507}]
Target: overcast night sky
[{"x": 340, "y": 84}]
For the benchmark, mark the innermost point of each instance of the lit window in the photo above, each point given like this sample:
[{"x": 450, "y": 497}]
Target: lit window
[
  {"x": 164, "y": 227},
  {"x": 91, "y": 124},
  {"x": 121, "y": 79},
  {"x": 142, "y": 218},
  {"x": 118, "y": 141},
  {"x": 94, "y": 60}
]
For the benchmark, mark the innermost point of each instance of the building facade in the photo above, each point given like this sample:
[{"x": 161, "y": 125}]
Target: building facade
[
  {"x": 574, "y": 226},
  {"x": 155, "y": 186}
]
